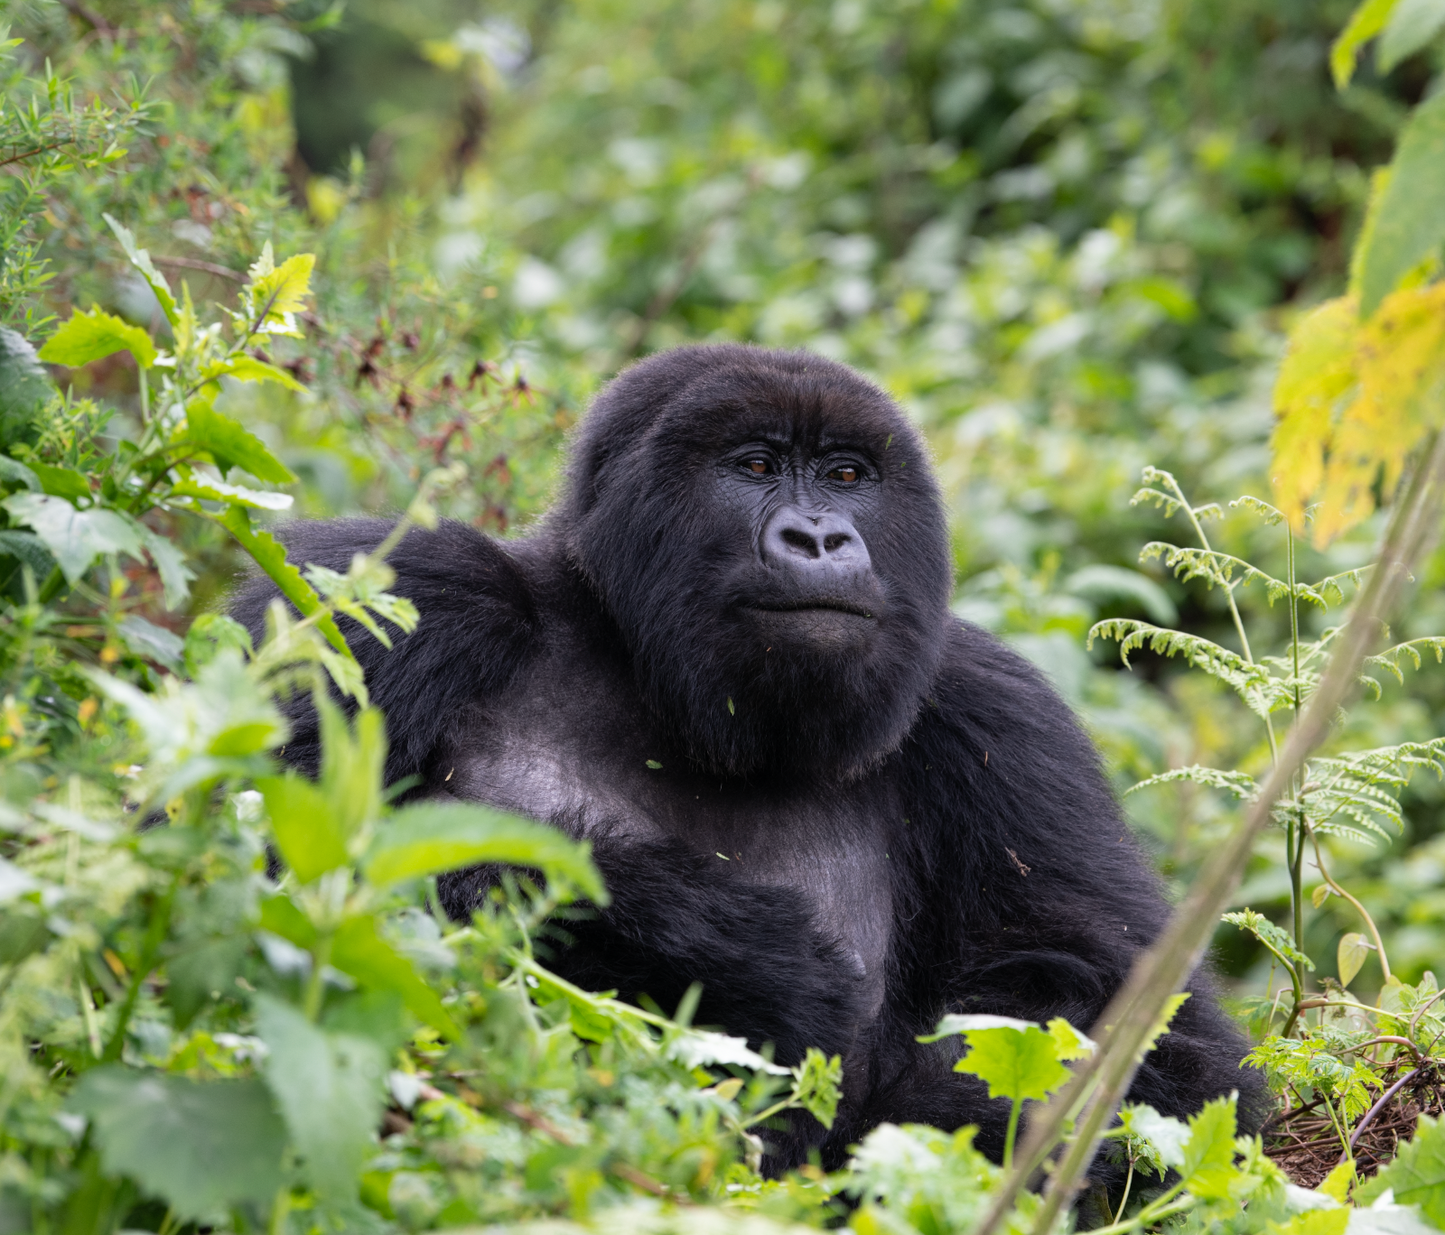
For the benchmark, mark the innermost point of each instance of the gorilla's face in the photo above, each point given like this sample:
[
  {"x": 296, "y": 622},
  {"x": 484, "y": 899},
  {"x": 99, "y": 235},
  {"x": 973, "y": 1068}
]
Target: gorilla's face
[{"x": 763, "y": 528}]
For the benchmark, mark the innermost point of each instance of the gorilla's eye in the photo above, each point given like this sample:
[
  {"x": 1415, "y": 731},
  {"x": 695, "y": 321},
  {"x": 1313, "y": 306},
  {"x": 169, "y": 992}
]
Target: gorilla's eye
[
  {"x": 758, "y": 467},
  {"x": 848, "y": 474}
]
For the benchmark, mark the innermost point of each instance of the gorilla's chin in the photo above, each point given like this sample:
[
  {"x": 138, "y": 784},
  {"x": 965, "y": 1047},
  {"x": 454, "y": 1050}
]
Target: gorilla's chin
[{"x": 815, "y": 627}]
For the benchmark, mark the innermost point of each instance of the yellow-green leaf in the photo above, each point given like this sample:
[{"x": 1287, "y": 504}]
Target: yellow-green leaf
[
  {"x": 1350, "y": 957},
  {"x": 304, "y": 825},
  {"x": 230, "y": 444},
  {"x": 1338, "y": 1182},
  {"x": 84, "y": 337},
  {"x": 249, "y": 369},
  {"x": 1366, "y": 22},
  {"x": 141, "y": 260},
  {"x": 281, "y": 290},
  {"x": 359, "y": 952},
  {"x": 1318, "y": 368},
  {"x": 1412, "y": 25}
]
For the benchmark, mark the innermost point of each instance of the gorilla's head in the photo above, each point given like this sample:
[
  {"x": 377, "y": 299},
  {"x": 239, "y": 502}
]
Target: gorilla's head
[{"x": 764, "y": 530}]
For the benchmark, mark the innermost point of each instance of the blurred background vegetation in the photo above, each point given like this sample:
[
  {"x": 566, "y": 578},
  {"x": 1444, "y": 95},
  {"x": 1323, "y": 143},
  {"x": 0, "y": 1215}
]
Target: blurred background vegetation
[{"x": 1068, "y": 235}]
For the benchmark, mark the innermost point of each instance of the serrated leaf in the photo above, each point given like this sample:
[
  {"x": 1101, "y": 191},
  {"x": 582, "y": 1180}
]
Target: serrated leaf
[
  {"x": 12, "y": 471},
  {"x": 330, "y": 1090},
  {"x": 431, "y": 837},
  {"x": 171, "y": 565},
  {"x": 151, "y": 641},
  {"x": 209, "y": 489},
  {"x": 280, "y": 291},
  {"x": 1208, "y": 1166},
  {"x": 1275, "y": 938},
  {"x": 1014, "y": 1063},
  {"x": 84, "y": 337},
  {"x": 1404, "y": 224},
  {"x": 75, "y": 538},
  {"x": 199, "y": 1145},
  {"x": 1366, "y": 22},
  {"x": 304, "y": 826},
  {"x": 1337, "y": 1184},
  {"x": 141, "y": 260},
  {"x": 1350, "y": 957},
  {"x": 1413, "y": 24},
  {"x": 817, "y": 1085},
  {"x": 1165, "y": 1134},
  {"x": 231, "y": 444}
]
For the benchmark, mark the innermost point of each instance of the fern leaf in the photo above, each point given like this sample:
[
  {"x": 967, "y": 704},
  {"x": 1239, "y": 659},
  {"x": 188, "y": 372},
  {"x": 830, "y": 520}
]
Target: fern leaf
[
  {"x": 1246, "y": 679},
  {"x": 1212, "y": 566},
  {"x": 1257, "y": 506},
  {"x": 1272, "y": 936},
  {"x": 1240, "y": 784}
]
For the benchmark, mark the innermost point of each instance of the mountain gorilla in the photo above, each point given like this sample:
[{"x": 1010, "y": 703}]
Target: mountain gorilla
[{"x": 726, "y": 658}]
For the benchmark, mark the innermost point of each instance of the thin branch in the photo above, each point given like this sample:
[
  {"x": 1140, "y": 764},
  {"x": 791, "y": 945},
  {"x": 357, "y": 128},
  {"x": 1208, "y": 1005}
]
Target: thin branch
[{"x": 191, "y": 263}]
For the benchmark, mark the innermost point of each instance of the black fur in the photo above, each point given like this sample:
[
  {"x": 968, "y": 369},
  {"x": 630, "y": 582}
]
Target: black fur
[{"x": 867, "y": 814}]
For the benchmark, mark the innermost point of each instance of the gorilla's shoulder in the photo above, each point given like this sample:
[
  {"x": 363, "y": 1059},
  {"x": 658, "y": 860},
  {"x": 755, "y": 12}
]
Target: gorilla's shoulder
[{"x": 476, "y": 621}]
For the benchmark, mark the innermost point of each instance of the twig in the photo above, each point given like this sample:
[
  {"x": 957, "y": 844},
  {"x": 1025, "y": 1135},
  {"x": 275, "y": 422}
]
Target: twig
[
  {"x": 1378, "y": 1107},
  {"x": 192, "y": 263},
  {"x": 1135, "y": 1010}
]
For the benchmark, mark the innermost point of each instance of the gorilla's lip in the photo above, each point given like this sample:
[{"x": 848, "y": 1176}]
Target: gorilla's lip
[{"x": 814, "y": 604}]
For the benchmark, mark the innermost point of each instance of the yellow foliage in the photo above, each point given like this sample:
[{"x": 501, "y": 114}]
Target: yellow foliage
[{"x": 1354, "y": 399}]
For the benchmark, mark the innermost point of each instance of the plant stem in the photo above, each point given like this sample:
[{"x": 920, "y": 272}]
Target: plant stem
[
  {"x": 1295, "y": 840},
  {"x": 160, "y": 920},
  {"x": 1124, "y": 1200},
  {"x": 1012, "y": 1134},
  {"x": 315, "y": 983},
  {"x": 1136, "y": 1008},
  {"x": 1359, "y": 908}
]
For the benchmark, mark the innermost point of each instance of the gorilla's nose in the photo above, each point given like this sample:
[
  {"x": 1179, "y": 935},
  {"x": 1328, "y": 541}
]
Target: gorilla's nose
[{"x": 817, "y": 546}]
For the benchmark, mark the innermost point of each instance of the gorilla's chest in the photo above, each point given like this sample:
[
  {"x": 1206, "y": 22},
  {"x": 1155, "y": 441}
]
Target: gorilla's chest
[{"x": 580, "y": 754}]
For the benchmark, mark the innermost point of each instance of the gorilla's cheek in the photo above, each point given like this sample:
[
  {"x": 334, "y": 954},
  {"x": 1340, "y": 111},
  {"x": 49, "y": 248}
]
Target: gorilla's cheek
[{"x": 834, "y": 633}]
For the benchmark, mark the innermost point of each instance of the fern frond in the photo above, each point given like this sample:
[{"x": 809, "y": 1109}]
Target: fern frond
[
  {"x": 1255, "y": 505},
  {"x": 1212, "y": 566},
  {"x": 1330, "y": 590},
  {"x": 1273, "y": 937},
  {"x": 1411, "y": 650},
  {"x": 1169, "y": 504},
  {"x": 1247, "y": 680},
  {"x": 1241, "y": 784}
]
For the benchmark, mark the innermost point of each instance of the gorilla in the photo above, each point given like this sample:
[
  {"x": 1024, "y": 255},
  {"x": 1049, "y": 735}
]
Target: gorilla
[{"x": 726, "y": 658}]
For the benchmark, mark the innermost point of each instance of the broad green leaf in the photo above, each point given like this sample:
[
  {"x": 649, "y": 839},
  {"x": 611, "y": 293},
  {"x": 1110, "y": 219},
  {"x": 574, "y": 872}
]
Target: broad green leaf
[
  {"x": 199, "y": 1145},
  {"x": 304, "y": 825},
  {"x": 353, "y": 758},
  {"x": 1351, "y": 954},
  {"x": 270, "y": 555},
  {"x": 84, "y": 337},
  {"x": 197, "y": 970},
  {"x": 1208, "y": 1165},
  {"x": 209, "y": 489},
  {"x": 1338, "y": 1182},
  {"x": 141, "y": 260},
  {"x": 170, "y": 564},
  {"x": 1418, "y": 1172},
  {"x": 1413, "y": 24},
  {"x": 248, "y": 369},
  {"x": 280, "y": 916},
  {"x": 330, "y": 1089},
  {"x": 75, "y": 537},
  {"x": 1069, "y": 1043},
  {"x": 62, "y": 482},
  {"x": 30, "y": 549},
  {"x": 231, "y": 444},
  {"x": 361, "y": 953},
  {"x": 151, "y": 641},
  {"x": 12, "y": 471},
  {"x": 1316, "y": 1222},
  {"x": 1014, "y": 1063},
  {"x": 209, "y": 634},
  {"x": 431, "y": 837},
  {"x": 1366, "y": 22},
  {"x": 25, "y": 387},
  {"x": 1405, "y": 224},
  {"x": 1102, "y": 583}
]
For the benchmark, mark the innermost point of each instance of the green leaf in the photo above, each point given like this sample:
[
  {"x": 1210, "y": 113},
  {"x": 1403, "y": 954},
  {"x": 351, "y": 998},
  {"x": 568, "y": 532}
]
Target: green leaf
[
  {"x": 1101, "y": 583},
  {"x": 199, "y": 1145},
  {"x": 817, "y": 1085},
  {"x": 1366, "y": 22},
  {"x": 1321, "y": 1222},
  {"x": 1404, "y": 224},
  {"x": 12, "y": 471},
  {"x": 199, "y": 969},
  {"x": 438, "y": 836},
  {"x": 329, "y": 1087},
  {"x": 170, "y": 564},
  {"x": 1413, "y": 24},
  {"x": 361, "y": 953},
  {"x": 248, "y": 369},
  {"x": 1208, "y": 1165},
  {"x": 1275, "y": 938},
  {"x": 211, "y": 490},
  {"x": 84, "y": 337},
  {"x": 276, "y": 292},
  {"x": 1338, "y": 1182},
  {"x": 62, "y": 482},
  {"x": 1165, "y": 1134},
  {"x": 150, "y": 641},
  {"x": 141, "y": 260},
  {"x": 75, "y": 537},
  {"x": 27, "y": 547},
  {"x": 1015, "y": 1063},
  {"x": 1418, "y": 1172},
  {"x": 25, "y": 387},
  {"x": 304, "y": 825},
  {"x": 1350, "y": 957},
  {"x": 230, "y": 444},
  {"x": 270, "y": 555}
]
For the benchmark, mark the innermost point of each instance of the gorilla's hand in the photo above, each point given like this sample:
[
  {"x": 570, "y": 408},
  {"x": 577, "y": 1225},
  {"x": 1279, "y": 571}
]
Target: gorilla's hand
[{"x": 767, "y": 972}]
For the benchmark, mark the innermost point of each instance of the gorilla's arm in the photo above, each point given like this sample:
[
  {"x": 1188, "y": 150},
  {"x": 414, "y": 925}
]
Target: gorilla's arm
[
  {"x": 477, "y": 620},
  {"x": 675, "y": 918},
  {"x": 1025, "y": 876}
]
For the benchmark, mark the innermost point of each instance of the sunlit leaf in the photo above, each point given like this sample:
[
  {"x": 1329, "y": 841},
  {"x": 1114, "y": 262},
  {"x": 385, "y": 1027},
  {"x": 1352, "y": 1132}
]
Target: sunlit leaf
[
  {"x": 1208, "y": 1166},
  {"x": 84, "y": 337},
  {"x": 1417, "y": 1174},
  {"x": 1014, "y": 1063},
  {"x": 1366, "y": 22},
  {"x": 248, "y": 369},
  {"x": 230, "y": 444},
  {"x": 361, "y": 953},
  {"x": 304, "y": 825},
  {"x": 1412, "y": 25},
  {"x": 141, "y": 260},
  {"x": 1350, "y": 957},
  {"x": 75, "y": 538}
]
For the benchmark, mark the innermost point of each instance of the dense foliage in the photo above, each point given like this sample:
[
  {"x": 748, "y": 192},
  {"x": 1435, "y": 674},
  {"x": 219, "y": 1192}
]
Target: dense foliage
[{"x": 258, "y": 259}]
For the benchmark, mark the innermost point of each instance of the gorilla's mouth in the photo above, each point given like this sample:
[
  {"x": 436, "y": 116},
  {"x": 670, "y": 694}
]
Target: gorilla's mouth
[{"x": 818, "y": 604}]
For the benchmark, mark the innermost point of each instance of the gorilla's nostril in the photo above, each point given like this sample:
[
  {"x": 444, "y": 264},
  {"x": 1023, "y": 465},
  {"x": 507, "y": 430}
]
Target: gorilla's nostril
[
  {"x": 798, "y": 539},
  {"x": 831, "y": 544}
]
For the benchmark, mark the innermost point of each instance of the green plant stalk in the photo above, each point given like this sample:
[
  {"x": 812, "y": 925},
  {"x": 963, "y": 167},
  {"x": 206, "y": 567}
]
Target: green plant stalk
[
  {"x": 156, "y": 928},
  {"x": 1012, "y": 1134},
  {"x": 1124, "y": 1200},
  {"x": 1158, "y": 973},
  {"x": 1359, "y": 908},
  {"x": 315, "y": 983},
  {"x": 1294, "y": 842}
]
